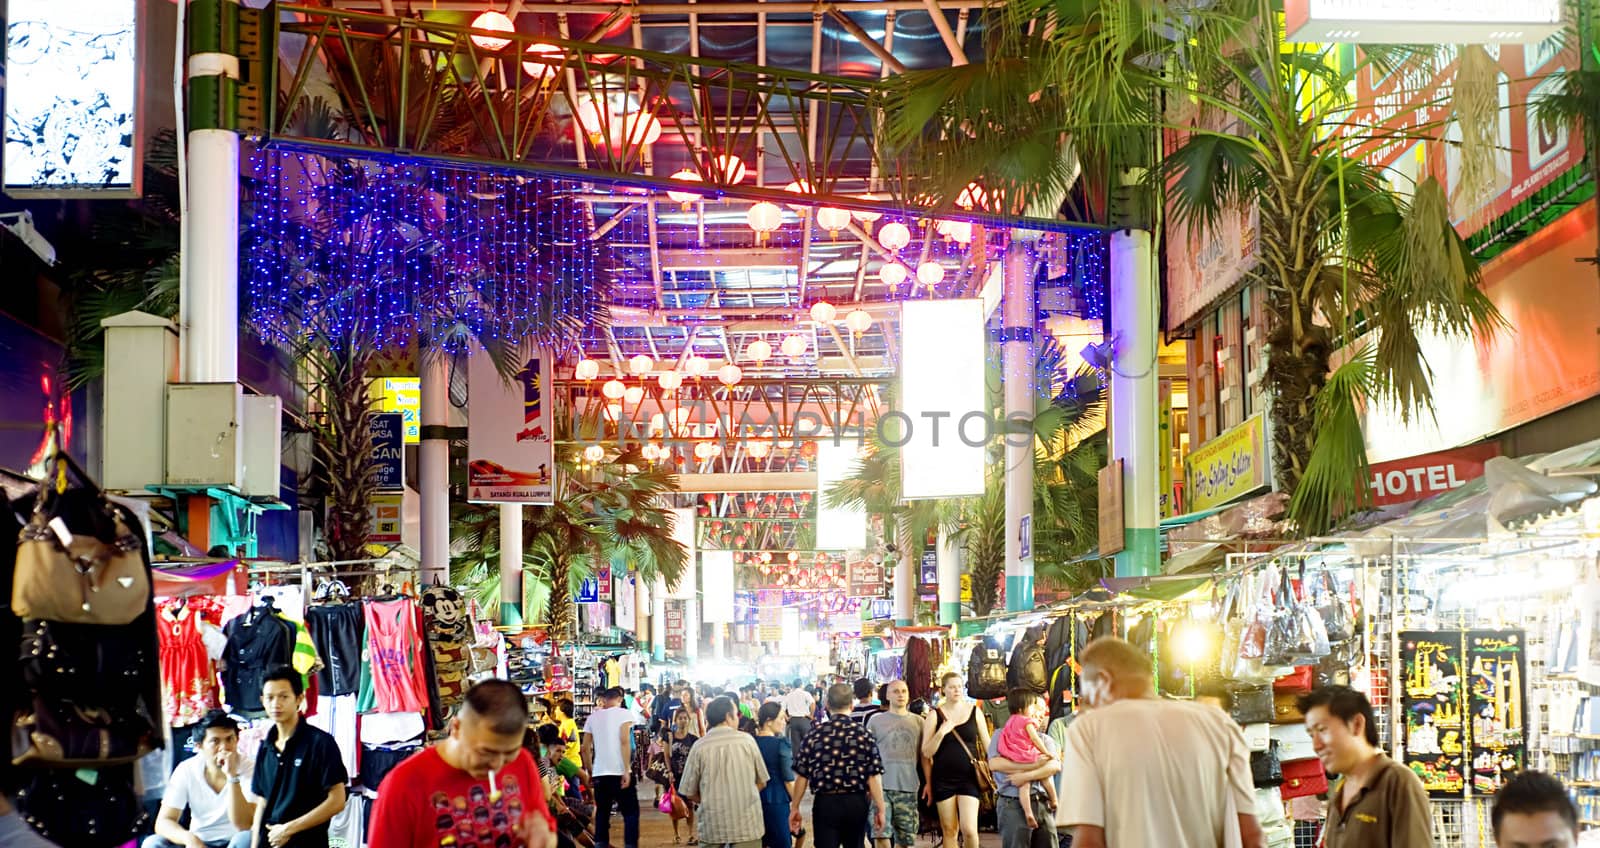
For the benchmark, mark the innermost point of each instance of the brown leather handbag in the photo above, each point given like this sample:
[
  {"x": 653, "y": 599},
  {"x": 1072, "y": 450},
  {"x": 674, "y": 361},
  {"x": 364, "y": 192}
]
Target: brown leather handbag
[
  {"x": 78, "y": 562},
  {"x": 64, "y": 735}
]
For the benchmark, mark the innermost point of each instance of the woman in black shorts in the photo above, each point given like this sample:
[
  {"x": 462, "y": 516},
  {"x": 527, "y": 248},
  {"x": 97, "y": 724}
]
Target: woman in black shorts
[{"x": 952, "y": 736}]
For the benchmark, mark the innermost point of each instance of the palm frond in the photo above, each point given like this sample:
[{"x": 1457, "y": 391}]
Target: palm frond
[{"x": 1335, "y": 475}]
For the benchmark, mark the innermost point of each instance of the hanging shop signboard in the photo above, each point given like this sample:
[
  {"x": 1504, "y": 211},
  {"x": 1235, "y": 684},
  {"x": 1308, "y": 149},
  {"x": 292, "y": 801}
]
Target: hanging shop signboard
[
  {"x": 675, "y": 628},
  {"x": 603, "y": 579},
  {"x": 510, "y": 455},
  {"x": 402, "y": 395},
  {"x": 1414, "y": 99},
  {"x": 1411, "y": 22},
  {"x": 1211, "y": 262},
  {"x": 930, "y": 567},
  {"x": 386, "y": 522},
  {"x": 944, "y": 424},
  {"x": 966, "y": 588},
  {"x": 1228, "y": 467},
  {"x": 1418, "y": 477},
  {"x": 72, "y": 123},
  {"x": 1110, "y": 528},
  {"x": 1463, "y": 708},
  {"x": 388, "y": 451},
  {"x": 882, "y": 608},
  {"x": 866, "y": 578}
]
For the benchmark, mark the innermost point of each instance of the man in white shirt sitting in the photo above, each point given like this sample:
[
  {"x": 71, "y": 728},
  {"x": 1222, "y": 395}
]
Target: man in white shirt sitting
[{"x": 205, "y": 785}]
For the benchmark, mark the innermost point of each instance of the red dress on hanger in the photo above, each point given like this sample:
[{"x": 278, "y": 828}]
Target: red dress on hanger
[{"x": 188, "y": 674}]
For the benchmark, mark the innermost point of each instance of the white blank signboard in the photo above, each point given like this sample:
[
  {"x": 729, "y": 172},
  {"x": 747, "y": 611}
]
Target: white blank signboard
[{"x": 942, "y": 391}]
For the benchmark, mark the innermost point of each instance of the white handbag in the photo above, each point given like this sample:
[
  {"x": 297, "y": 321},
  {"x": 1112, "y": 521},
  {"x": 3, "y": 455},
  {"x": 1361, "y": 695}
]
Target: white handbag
[{"x": 1294, "y": 742}]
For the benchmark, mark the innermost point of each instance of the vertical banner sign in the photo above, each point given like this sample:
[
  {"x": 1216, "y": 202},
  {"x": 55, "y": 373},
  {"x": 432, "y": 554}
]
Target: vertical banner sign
[
  {"x": 838, "y": 528},
  {"x": 509, "y": 429},
  {"x": 717, "y": 597},
  {"x": 388, "y": 451},
  {"x": 769, "y": 615},
  {"x": 930, "y": 567},
  {"x": 1111, "y": 519},
  {"x": 1496, "y": 670},
  {"x": 1432, "y": 707},
  {"x": 945, "y": 420},
  {"x": 402, "y": 395},
  {"x": 72, "y": 79},
  {"x": 683, "y": 533},
  {"x": 623, "y": 591},
  {"x": 675, "y": 625},
  {"x": 603, "y": 577}
]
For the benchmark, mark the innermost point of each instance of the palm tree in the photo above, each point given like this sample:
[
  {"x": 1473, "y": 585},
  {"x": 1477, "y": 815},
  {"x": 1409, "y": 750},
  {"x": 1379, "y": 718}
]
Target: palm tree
[
  {"x": 615, "y": 512},
  {"x": 1347, "y": 261}
]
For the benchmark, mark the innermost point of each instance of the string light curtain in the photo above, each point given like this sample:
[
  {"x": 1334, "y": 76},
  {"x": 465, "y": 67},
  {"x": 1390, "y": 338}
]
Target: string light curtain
[{"x": 401, "y": 252}]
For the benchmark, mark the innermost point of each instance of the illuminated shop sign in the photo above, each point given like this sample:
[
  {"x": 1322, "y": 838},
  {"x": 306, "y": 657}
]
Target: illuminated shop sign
[{"x": 1411, "y": 22}]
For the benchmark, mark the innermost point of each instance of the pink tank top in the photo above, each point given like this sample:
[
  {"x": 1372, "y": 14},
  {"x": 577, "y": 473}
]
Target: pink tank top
[{"x": 396, "y": 657}]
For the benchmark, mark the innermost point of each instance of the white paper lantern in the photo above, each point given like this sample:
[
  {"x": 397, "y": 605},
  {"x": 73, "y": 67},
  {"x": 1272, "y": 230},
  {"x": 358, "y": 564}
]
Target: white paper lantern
[
  {"x": 764, "y": 217},
  {"x": 859, "y": 321},
  {"x": 822, "y": 312},
  {"x": 729, "y": 167},
  {"x": 669, "y": 380},
  {"x": 685, "y": 198},
  {"x": 586, "y": 369},
  {"x": 894, "y": 235},
  {"x": 972, "y": 195},
  {"x": 546, "y": 58},
  {"x": 641, "y": 364},
  {"x": 594, "y": 453},
  {"x": 758, "y": 351},
  {"x": 613, "y": 389},
  {"x": 495, "y": 22},
  {"x": 730, "y": 375},
  {"x": 696, "y": 366},
  {"x": 833, "y": 220},
  {"x": 636, "y": 129},
  {"x": 632, "y": 395},
  {"x": 592, "y": 119},
  {"x": 758, "y": 450},
  {"x": 893, "y": 274},
  {"x": 930, "y": 274},
  {"x": 794, "y": 345},
  {"x": 798, "y": 187}
]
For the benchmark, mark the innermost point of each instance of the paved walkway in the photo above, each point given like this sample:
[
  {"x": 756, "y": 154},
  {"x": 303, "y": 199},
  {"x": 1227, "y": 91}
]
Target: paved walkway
[{"x": 655, "y": 827}]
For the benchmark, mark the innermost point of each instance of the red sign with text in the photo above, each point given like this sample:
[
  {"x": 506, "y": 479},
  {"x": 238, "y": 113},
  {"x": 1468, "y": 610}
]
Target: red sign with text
[{"x": 1418, "y": 477}]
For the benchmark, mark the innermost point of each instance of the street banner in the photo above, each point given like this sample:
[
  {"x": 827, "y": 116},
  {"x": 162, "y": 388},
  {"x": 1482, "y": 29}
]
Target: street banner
[{"x": 387, "y": 431}]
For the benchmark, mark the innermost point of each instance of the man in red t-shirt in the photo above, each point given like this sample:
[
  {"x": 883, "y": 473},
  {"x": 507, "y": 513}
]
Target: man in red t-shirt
[{"x": 478, "y": 787}]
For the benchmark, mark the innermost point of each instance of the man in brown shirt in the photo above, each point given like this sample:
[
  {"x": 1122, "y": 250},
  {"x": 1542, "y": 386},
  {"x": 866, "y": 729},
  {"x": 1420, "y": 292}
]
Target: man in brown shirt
[{"x": 1377, "y": 803}]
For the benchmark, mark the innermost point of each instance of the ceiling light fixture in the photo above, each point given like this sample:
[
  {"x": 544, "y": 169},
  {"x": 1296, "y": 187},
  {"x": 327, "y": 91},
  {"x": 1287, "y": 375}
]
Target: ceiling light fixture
[{"x": 494, "y": 22}]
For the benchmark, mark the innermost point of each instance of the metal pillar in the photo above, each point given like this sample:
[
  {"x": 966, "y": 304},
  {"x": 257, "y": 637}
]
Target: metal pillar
[
  {"x": 949, "y": 579},
  {"x": 433, "y": 468},
  {"x": 511, "y": 564},
  {"x": 1135, "y": 396},
  {"x": 209, "y": 260},
  {"x": 905, "y": 586},
  {"x": 1017, "y": 362}
]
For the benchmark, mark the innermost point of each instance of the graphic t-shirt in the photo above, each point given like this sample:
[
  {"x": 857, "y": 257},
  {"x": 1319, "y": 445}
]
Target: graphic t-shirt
[{"x": 425, "y": 803}]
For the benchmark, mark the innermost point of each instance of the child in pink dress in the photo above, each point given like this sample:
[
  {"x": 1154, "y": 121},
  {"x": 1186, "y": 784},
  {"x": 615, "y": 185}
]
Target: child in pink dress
[{"x": 1021, "y": 743}]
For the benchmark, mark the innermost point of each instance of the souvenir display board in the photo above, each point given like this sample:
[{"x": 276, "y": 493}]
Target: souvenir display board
[{"x": 1462, "y": 708}]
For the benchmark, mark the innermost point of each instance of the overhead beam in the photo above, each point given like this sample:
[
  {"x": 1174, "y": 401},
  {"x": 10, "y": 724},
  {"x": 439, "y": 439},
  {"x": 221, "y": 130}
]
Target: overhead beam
[
  {"x": 756, "y": 257},
  {"x": 958, "y": 56},
  {"x": 867, "y": 41}
]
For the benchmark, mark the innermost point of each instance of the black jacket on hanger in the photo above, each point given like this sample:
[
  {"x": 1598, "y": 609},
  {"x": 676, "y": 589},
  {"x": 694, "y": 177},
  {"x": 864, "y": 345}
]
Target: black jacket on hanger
[{"x": 257, "y": 641}]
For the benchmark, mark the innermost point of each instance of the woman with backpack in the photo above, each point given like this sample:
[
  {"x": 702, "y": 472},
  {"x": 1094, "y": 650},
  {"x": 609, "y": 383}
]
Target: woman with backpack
[{"x": 951, "y": 741}]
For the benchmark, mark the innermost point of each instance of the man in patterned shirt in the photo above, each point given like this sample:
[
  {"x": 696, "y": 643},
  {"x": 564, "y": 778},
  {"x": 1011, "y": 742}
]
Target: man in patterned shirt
[
  {"x": 724, "y": 775},
  {"x": 839, "y": 761}
]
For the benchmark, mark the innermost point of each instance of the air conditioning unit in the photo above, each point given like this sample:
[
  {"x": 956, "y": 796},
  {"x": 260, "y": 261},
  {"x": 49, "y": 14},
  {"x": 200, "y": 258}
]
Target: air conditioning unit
[{"x": 141, "y": 356}]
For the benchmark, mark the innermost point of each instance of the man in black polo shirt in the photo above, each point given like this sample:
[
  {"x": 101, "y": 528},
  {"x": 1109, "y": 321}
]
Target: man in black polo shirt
[
  {"x": 839, "y": 761},
  {"x": 299, "y": 778}
]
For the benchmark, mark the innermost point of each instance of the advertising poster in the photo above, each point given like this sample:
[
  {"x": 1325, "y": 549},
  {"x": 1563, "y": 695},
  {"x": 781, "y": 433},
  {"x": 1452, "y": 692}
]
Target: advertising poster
[
  {"x": 1496, "y": 703},
  {"x": 510, "y": 453},
  {"x": 1432, "y": 706},
  {"x": 1203, "y": 266},
  {"x": 386, "y": 523},
  {"x": 930, "y": 567},
  {"x": 625, "y": 595},
  {"x": 388, "y": 451},
  {"x": 402, "y": 395},
  {"x": 769, "y": 615},
  {"x": 603, "y": 577}
]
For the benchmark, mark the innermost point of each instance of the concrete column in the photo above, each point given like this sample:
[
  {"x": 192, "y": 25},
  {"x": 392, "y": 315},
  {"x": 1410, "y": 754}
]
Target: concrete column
[
  {"x": 658, "y": 620},
  {"x": 949, "y": 579},
  {"x": 1135, "y": 395},
  {"x": 905, "y": 586},
  {"x": 433, "y": 468},
  {"x": 209, "y": 259},
  {"x": 511, "y": 564},
  {"x": 1017, "y": 363}
]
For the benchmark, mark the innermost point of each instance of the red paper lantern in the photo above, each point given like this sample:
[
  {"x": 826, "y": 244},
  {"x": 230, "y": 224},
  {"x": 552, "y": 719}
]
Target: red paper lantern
[
  {"x": 787, "y": 503},
  {"x": 709, "y": 498},
  {"x": 808, "y": 449},
  {"x": 739, "y": 540},
  {"x": 716, "y": 526},
  {"x": 751, "y": 507},
  {"x": 704, "y": 510},
  {"x": 805, "y": 497}
]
